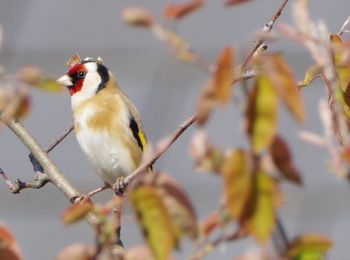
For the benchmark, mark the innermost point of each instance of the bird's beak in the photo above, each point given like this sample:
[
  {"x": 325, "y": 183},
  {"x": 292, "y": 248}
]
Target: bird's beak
[{"x": 65, "y": 81}]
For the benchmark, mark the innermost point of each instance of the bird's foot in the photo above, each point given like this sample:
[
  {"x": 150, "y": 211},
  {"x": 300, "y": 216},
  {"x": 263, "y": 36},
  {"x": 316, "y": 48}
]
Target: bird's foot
[{"x": 120, "y": 186}]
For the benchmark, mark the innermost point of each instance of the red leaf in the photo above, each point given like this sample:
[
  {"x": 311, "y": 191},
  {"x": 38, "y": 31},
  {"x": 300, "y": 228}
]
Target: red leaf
[{"x": 178, "y": 11}]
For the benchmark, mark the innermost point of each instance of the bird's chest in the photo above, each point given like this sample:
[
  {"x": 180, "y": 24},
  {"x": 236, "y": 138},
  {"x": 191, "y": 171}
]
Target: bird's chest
[{"x": 99, "y": 140}]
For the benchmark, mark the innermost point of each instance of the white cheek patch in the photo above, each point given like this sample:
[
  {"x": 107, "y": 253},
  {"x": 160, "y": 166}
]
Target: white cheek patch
[{"x": 92, "y": 79}]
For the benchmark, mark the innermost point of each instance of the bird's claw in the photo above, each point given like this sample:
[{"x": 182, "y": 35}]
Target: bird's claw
[{"x": 120, "y": 186}]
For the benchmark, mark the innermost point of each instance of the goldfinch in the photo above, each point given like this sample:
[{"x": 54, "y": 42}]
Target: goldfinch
[{"x": 107, "y": 125}]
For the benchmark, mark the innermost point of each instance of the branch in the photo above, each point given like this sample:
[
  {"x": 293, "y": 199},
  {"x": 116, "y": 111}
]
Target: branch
[
  {"x": 267, "y": 28},
  {"x": 144, "y": 166},
  {"x": 344, "y": 28}
]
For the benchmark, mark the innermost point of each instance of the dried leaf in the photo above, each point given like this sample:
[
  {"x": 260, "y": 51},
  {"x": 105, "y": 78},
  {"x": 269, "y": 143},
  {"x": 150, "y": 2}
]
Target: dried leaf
[
  {"x": 234, "y": 2},
  {"x": 282, "y": 79},
  {"x": 210, "y": 223},
  {"x": 178, "y": 11},
  {"x": 206, "y": 104},
  {"x": 76, "y": 212},
  {"x": 76, "y": 252},
  {"x": 178, "y": 46},
  {"x": 261, "y": 218},
  {"x": 9, "y": 249},
  {"x": 23, "y": 107},
  {"x": 137, "y": 16},
  {"x": 223, "y": 75},
  {"x": 309, "y": 246},
  {"x": 154, "y": 220},
  {"x": 237, "y": 182},
  {"x": 282, "y": 158},
  {"x": 312, "y": 138},
  {"x": 312, "y": 73},
  {"x": 261, "y": 114},
  {"x": 206, "y": 156},
  {"x": 73, "y": 60}
]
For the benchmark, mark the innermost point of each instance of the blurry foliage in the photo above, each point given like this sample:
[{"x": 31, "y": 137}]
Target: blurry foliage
[{"x": 251, "y": 189}]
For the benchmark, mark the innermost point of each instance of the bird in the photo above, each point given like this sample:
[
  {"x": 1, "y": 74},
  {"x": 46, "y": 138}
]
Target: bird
[{"x": 106, "y": 123}]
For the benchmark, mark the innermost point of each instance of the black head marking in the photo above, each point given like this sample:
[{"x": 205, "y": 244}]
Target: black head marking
[{"x": 104, "y": 74}]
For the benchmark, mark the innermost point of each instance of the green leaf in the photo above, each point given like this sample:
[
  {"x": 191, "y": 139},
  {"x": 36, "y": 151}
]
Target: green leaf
[
  {"x": 48, "y": 84},
  {"x": 154, "y": 220},
  {"x": 312, "y": 73},
  {"x": 309, "y": 246},
  {"x": 262, "y": 114},
  {"x": 237, "y": 182},
  {"x": 261, "y": 219}
]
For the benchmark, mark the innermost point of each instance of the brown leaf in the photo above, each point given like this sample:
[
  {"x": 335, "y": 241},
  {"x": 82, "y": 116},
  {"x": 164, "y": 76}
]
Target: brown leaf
[
  {"x": 261, "y": 114},
  {"x": 141, "y": 252},
  {"x": 223, "y": 75},
  {"x": 237, "y": 182},
  {"x": 156, "y": 223},
  {"x": 210, "y": 223},
  {"x": 282, "y": 158},
  {"x": 76, "y": 252},
  {"x": 309, "y": 246},
  {"x": 23, "y": 107},
  {"x": 178, "y": 11},
  {"x": 278, "y": 72},
  {"x": 234, "y": 2},
  {"x": 206, "y": 104},
  {"x": 76, "y": 212},
  {"x": 137, "y": 16},
  {"x": 9, "y": 249}
]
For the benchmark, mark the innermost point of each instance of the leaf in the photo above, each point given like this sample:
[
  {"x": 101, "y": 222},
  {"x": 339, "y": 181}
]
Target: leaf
[
  {"x": 312, "y": 73},
  {"x": 178, "y": 11},
  {"x": 237, "y": 182},
  {"x": 206, "y": 104},
  {"x": 141, "y": 252},
  {"x": 154, "y": 220},
  {"x": 309, "y": 245},
  {"x": 282, "y": 158},
  {"x": 137, "y": 16},
  {"x": 49, "y": 84},
  {"x": 9, "y": 249},
  {"x": 234, "y": 2},
  {"x": 206, "y": 156},
  {"x": 177, "y": 204},
  {"x": 76, "y": 212},
  {"x": 261, "y": 114},
  {"x": 281, "y": 78},
  {"x": 178, "y": 46},
  {"x": 77, "y": 252},
  {"x": 261, "y": 220},
  {"x": 23, "y": 107},
  {"x": 210, "y": 223},
  {"x": 223, "y": 75}
]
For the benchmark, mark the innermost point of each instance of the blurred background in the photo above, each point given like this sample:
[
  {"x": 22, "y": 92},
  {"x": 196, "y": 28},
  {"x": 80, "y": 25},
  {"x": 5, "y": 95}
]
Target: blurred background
[{"x": 45, "y": 33}]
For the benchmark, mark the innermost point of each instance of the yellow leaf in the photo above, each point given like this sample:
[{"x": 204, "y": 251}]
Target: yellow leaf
[
  {"x": 76, "y": 212},
  {"x": 312, "y": 73},
  {"x": 282, "y": 79},
  {"x": 237, "y": 182},
  {"x": 307, "y": 245},
  {"x": 223, "y": 76},
  {"x": 154, "y": 220},
  {"x": 261, "y": 219},
  {"x": 178, "y": 11},
  {"x": 177, "y": 204},
  {"x": 137, "y": 16},
  {"x": 262, "y": 114},
  {"x": 49, "y": 85}
]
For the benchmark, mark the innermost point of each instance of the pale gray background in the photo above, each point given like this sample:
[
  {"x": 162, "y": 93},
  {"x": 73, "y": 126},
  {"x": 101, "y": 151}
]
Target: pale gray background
[{"x": 44, "y": 33}]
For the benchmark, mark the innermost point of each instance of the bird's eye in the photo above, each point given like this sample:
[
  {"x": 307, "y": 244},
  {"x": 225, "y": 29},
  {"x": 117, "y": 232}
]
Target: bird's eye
[{"x": 81, "y": 74}]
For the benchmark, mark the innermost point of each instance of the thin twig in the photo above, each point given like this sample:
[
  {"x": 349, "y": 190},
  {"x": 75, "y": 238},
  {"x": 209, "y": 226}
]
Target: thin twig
[
  {"x": 60, "y": 138},
  {"x": 343, "y": 29},
  {"x": 144, "y": 166},
  {"x": 267, "y": 28},
  {"x": 211, "y": 245}
]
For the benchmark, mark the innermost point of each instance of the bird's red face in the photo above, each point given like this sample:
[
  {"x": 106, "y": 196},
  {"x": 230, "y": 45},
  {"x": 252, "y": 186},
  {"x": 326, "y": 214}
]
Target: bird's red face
[
  {"x": 86, "y": 77},
  {"x": 74, "y": 78}
]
